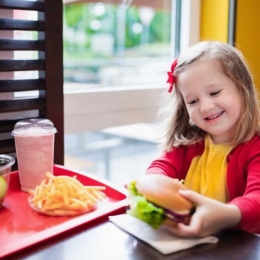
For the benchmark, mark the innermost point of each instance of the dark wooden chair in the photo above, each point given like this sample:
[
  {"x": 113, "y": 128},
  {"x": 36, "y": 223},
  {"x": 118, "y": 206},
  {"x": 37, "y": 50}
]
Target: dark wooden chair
[{"x": 49, "y": 65}]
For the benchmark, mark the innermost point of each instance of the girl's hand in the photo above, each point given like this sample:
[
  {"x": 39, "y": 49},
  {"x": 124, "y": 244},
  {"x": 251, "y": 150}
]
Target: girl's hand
[{"x": 211, "y": 216}]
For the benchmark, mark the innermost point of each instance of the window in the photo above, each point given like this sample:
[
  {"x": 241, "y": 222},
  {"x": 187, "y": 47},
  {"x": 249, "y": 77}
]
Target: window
[
  {"x": 89, "y": 109},
  {"x": 115, "y": 45},
  {"x": 114, "y": 87}
]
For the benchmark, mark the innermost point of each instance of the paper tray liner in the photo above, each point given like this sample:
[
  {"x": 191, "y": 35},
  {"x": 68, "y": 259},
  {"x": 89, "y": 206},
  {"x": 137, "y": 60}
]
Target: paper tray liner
[{"x": 22, "y": 227}]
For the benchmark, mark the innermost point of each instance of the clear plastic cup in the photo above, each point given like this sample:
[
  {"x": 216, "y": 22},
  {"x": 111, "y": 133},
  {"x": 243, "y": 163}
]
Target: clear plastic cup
[
  {"x": 6, "y": 163},
  {"x": 34, "y": 142}
]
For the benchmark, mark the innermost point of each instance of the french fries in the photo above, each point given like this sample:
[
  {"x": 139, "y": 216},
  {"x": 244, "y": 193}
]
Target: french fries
[{"x": 64, "y": 196}]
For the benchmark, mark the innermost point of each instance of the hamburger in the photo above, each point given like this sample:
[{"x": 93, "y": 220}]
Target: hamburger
[{"x": 155, "y": 200}]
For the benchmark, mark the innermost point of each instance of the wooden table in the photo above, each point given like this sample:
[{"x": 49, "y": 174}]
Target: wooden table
[{"x": 103, "y": 240}]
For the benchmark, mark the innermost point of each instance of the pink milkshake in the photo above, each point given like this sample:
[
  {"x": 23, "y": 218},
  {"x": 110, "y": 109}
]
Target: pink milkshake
[{"x": 34, "y": 142}]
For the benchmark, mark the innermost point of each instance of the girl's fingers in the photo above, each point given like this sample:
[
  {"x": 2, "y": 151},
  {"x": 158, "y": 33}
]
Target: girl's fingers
[
  {"x": 191, "y": 230},
  {"x": 192, "y": 196},
  {"x": 184, "y": 230}
]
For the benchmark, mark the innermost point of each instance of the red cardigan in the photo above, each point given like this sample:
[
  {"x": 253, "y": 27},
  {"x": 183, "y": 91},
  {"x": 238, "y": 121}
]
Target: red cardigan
[{"x": 243, "y": 176}]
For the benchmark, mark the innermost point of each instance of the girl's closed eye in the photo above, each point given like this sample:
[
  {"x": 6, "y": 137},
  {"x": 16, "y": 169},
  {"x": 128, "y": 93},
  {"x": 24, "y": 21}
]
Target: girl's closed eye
[
  {"x": 215, "y": 93},
  {"x": 192, "y": 102}
]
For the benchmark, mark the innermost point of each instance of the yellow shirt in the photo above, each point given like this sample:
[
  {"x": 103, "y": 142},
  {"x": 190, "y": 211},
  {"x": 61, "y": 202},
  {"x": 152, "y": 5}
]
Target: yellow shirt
[{"x": 207, "y": 173}]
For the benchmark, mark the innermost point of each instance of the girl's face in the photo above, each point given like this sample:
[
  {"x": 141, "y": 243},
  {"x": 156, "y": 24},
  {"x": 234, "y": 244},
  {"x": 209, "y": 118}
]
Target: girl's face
[{"x": 212, "y": 99}]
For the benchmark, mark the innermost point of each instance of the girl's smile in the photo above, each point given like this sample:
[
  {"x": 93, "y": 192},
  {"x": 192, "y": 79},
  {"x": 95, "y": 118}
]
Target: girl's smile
[
  {"x": 214, "y": 116},
  {"x": 212, "y": 99}
]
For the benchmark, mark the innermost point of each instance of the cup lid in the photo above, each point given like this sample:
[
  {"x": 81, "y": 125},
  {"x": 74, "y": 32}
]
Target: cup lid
[{"x": 34, "y": 126}]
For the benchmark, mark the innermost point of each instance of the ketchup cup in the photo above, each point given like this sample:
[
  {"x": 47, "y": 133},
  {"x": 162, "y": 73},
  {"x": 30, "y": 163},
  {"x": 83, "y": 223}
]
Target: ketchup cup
[{"x": 6, "y": 163}]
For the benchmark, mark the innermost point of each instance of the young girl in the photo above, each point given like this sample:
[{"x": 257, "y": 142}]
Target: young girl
[{"x": 212, "y": 139}]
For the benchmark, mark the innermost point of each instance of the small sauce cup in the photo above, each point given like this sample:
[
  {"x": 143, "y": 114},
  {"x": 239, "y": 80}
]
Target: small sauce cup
[{"x": 6, "y": 163}]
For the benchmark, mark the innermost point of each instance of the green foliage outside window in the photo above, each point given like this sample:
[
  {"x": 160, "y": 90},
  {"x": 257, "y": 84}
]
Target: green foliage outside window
[{"x": 80, "y": 19}]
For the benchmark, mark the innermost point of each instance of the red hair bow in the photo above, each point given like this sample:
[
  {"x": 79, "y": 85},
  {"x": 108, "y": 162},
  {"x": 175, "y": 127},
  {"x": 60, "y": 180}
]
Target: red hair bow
[{"x": 171, "y": 77}]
